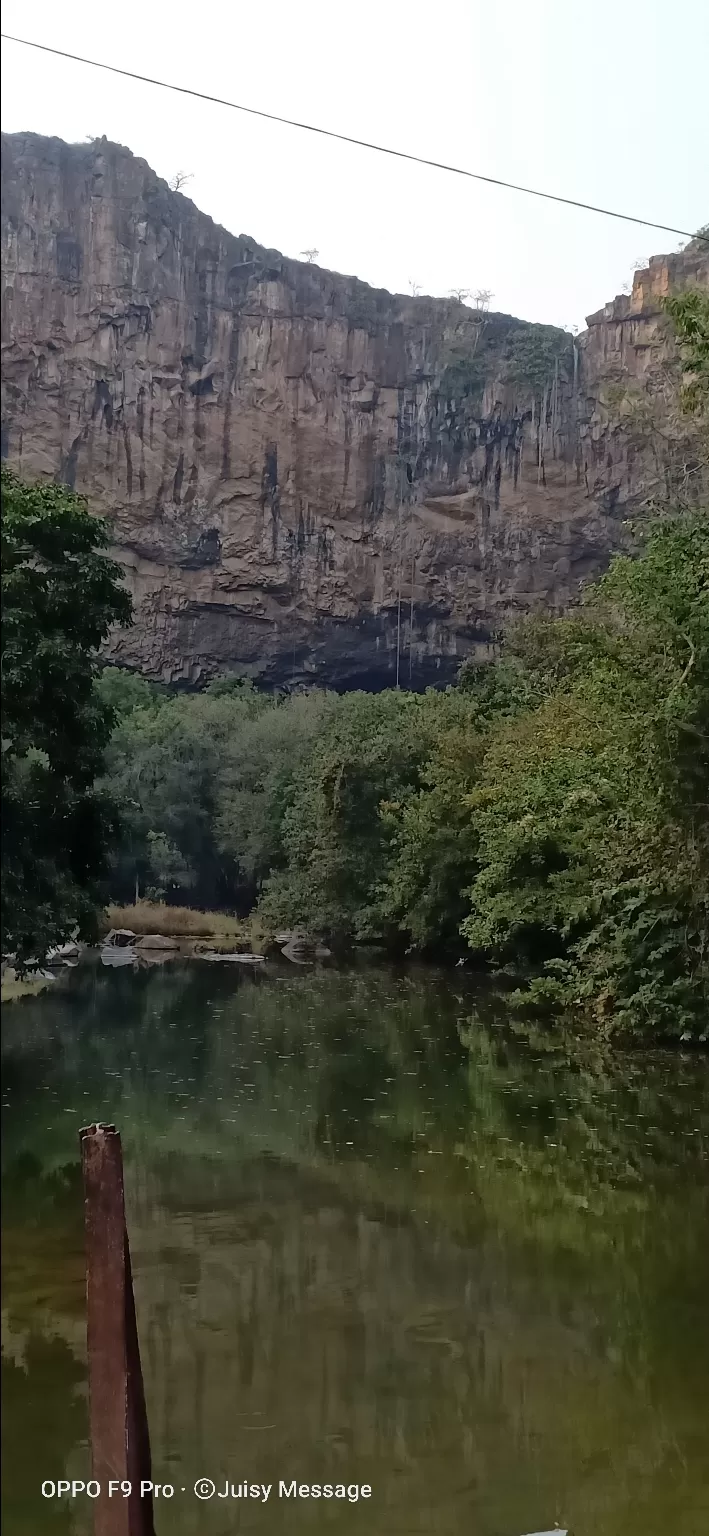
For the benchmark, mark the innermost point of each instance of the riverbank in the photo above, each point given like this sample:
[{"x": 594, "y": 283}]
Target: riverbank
[
  {"x": 544, "y": 818},
  {"x": 191, "y": 931},
  {"x": 14, "y": 987},
  {"x": 148, "y": 933}
]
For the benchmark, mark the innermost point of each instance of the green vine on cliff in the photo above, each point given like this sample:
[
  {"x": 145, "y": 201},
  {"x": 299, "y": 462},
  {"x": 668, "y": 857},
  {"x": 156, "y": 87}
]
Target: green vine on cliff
[
  {"x": 524, "y": 356},
  {"x": 689, "y": 313},
  {"x": 532, "y": 354}
]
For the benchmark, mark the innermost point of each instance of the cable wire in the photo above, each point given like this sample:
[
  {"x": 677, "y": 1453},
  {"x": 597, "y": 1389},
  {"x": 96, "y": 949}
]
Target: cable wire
[{"x": 344, "y": 138}]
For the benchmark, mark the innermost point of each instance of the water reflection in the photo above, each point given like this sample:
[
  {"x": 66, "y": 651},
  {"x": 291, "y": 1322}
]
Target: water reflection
[{"x": 475, "y": 1279}]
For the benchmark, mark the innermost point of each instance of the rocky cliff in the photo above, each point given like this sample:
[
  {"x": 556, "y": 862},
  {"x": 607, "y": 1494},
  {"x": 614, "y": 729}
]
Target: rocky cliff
[{"x": 308, "y": 479}]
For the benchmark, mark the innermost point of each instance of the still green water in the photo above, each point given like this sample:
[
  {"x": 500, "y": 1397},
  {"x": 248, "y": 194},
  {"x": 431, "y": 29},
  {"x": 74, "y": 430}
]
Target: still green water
[{"x": 474, "y": 1278}]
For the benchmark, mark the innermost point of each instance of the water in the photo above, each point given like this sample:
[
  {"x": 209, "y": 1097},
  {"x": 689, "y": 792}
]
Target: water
[{"x": 474, "y": 1279}]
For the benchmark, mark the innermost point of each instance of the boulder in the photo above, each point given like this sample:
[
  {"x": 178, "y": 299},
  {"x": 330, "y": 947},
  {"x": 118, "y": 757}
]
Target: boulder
[
  {"x": 59, "y": 954},
  {"x": 298, "y": 952},
  {"x": 118, "y": 954},
  {"x": 156, "y": 941}
]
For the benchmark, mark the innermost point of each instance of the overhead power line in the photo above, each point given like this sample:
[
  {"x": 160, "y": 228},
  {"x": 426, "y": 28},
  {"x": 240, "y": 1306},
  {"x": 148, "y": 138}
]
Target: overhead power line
[{"x": 345, "y": 138}]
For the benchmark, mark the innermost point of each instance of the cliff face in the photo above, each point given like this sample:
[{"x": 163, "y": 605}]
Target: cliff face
[{"x": 308, "y": 479}]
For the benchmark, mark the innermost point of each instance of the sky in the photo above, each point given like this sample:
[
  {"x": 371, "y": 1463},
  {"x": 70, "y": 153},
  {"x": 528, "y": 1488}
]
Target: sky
[{"x": 605, "y": 103}]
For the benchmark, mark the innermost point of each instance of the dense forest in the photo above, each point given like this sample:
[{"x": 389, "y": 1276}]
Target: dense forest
[{"x": 546, "y": 818}]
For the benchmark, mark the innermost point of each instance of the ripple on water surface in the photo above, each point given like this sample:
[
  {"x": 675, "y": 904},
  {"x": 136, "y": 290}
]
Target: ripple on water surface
[{"x": 473, "y": 1276}]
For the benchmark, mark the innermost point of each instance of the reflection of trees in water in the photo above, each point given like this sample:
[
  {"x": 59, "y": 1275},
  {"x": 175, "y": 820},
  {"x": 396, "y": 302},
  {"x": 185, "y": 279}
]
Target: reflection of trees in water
[
  {"x": 474, "y": 1278},
  {"x": 392, "y": 1347},
  {"x": 44, "y": 1421}
]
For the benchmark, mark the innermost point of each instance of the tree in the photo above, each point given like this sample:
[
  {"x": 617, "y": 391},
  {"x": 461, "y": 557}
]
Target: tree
[
  {"x": 689, "y": 313},
  {"x": 591, "y": 810},
  {"x": 434, "y": 838},
  {"x": 60, "y": 596},
  {"x": 125, "y": 691},
  {"x": 162, "y": 767},
  {"x": 257, "y": 778},
  {"x": 168, "y": 869},
  {"x": 339, "y": 825}
]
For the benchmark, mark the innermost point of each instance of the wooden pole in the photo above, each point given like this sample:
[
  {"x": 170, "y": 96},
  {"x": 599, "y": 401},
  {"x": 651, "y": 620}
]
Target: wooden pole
[{"x": 120, "y": 1444}]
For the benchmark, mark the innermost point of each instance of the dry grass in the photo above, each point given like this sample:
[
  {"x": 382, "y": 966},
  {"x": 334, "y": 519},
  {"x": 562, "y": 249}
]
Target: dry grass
[
  {"x": 13, "y": 987},
  {"x": 210, "y": 930},
  {"x": 174, "y": 922}
]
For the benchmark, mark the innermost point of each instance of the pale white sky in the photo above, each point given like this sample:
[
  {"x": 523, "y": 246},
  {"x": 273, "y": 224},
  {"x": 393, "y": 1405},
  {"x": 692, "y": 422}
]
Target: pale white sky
[{"x": 604, "y": 102}]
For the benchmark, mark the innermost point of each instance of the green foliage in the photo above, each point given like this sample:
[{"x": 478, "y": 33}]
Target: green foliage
[
  {"x": 532, "y": 353},
  {"x": 549, "y": 814},
  {"x": 524, "y": 355},
  {"x": 340, "y": 829},
  {"x": 60, "y": 595},
  {"x": 689, "y": 312},
  {"x": 163, "y": 765},
  {"x": 434, "y": 845},
  {"x": 591, "y": 809},
  {"x": 167, "y": 868},
  {"x": 257, "y": 777},
  {"x": 496, "y": 691},
  {"x": 465, "y": 372},
  {"x": 124, "y": 691},
  {"x": 433, "y": 840}
]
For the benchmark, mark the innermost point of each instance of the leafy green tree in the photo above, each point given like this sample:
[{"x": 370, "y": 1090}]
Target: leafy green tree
[
  {"x": 689, "y": 312},
  {"x": 166, "y": 868},
  {"x": 257, "y": 780},
  {"x": 60, "y": 596},
  {"x": 592, "y": 811},
  {"x": 162, "y": 767},
  {"x": 433, "y": 853},
  {"x": 433, "y": 839}
]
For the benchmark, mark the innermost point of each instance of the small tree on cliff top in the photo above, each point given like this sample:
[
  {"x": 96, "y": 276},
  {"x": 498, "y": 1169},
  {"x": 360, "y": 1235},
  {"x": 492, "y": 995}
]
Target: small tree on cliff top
[{"x": 60, "y": 595}]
